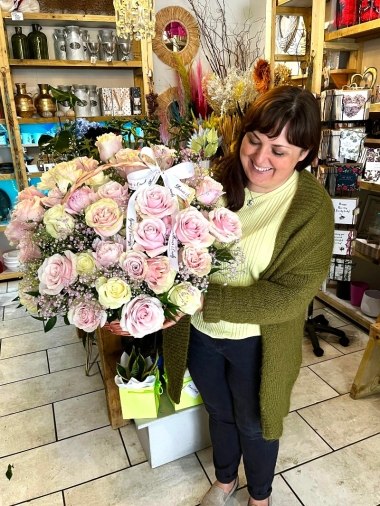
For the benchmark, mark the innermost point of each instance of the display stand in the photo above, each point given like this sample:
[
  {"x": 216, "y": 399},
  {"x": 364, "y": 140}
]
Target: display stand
[{"x": 367, "y": 379}]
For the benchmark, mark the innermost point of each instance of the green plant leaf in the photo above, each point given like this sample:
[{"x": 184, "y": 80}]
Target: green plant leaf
[
  {"x": 212, "y": 137},
  {"x": 44, "y": 140},
  {"x": 63, "y": 96},
  {"x": 50, "y": 324},
  {"x": 223, "y": 255},
  {"x": 122, "y": 372},
  {"x": 9, "y": 472},
  {"x": 33, "y": 294},
  {"x": 63, "y": 141},
  {"x": 210, "y": 150},
  {"x": 131, "y": 361},
  {"x": 196, "y": 145},
  {"x": 138, "y": 367},
  {"x": 66, "y": 320}
]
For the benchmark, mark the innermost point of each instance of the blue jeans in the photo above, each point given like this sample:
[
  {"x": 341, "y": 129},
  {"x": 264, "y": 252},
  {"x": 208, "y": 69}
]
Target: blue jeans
[{"x": 227, "y": 374}]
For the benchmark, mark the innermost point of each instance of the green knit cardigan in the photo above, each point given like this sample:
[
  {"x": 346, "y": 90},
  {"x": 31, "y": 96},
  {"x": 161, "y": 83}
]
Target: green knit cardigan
[{"x": 277, "y": 301}]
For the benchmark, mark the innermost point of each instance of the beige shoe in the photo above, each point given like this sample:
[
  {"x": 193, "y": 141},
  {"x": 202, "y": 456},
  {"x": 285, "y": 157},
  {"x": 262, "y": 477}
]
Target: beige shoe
[
  {"x": 216, "y": 497},
  {"x": 269, "y": 503}
]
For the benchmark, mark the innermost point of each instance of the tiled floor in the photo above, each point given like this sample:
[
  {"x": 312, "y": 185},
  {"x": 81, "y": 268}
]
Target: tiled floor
[{"x": 54, "y": 429}]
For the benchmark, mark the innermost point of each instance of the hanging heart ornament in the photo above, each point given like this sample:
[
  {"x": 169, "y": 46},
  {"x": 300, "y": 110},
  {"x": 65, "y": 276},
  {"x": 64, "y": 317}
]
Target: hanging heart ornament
[{"x": 365, "y": 80}]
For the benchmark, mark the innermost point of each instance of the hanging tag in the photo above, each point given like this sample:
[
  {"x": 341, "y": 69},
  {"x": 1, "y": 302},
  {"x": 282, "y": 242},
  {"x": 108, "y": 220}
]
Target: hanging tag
[
  {"x": 17, "y": 16},
  {"x": 191, "y": 390}
]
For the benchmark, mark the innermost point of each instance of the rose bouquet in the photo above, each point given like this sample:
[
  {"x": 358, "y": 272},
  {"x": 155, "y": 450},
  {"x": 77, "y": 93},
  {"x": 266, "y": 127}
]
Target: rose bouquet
[{"x": 133, "y": 238}]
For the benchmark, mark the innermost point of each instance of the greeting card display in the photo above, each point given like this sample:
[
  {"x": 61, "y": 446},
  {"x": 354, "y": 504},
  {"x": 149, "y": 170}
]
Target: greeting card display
[
  {"x": 347, "y": 177},
  {"x": 343, "y": 242},
  {"x": 340, "y": 269},
  {"x": 345, "y": 210}
]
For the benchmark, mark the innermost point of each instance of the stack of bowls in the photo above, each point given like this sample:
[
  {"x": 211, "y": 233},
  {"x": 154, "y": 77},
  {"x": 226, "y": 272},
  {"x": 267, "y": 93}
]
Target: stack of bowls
[{"x": 11, "y": 261}]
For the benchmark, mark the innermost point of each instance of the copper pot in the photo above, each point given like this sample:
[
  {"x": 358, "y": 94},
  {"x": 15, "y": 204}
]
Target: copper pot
[
  {"x": 24, "y": 102},
  {"x": 44, "y": 101}
]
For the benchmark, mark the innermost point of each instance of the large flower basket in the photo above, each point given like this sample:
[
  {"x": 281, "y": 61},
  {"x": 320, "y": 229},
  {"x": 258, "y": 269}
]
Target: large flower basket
[
  {"x": 190, "y": 395},
  {"x": 140, "y": 401}
]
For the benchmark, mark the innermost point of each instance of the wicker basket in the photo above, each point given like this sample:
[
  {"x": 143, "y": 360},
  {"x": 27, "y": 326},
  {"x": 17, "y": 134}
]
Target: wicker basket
[{"x": 100, "y": 7}]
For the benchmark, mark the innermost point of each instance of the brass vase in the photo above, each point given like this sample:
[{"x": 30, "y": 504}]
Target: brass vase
[
  {"x": 23, "y": 102},
  {"x": 44, "y": 102}
]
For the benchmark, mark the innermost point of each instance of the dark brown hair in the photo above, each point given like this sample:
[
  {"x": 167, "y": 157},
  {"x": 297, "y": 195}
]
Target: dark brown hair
[{"x": 288, "y": 106}]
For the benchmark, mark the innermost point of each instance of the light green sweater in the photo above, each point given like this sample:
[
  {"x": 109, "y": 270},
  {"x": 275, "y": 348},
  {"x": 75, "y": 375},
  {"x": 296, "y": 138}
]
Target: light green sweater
[{"x": 276, "y": 301}]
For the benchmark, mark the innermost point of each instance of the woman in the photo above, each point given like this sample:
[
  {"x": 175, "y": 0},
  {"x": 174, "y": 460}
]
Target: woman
[{"x": 244, "y": 351}]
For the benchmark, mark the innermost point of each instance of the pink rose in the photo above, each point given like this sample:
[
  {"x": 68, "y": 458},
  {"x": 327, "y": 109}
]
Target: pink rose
[
  {"x": 86, "y": 164},
  {"x": 79, "y": 200},
  {"x": 127, "y": 161},
  {"x": 135, "y": 264},
  {"x": 142, "y": 315},
  {"x": 160, "y": 276},
  {"x": 29, "y": 210},
  {"x": 107, "y": 252},
  {"x": 208, "y": 191},
  {"x": 108, "y": 145},
  {"x": 192, "y": 228},
  {"x": 197, "y": 260},
  {"x": 168, "y": 222},
  {"x": 164, "y": 156},
  {"x": 28, "y": 250},
  {"x": 29, "y": 193},
  {"x": 149, "y": 235},
  {"x": 155, "y": 202},
  {"x": 115, "y": 191},
  {"x": 225, "y": 226},
  {"x": 57, "y": 272},
  {"x": 54, "y": 198},
  {"x": 87, "y": 316},
  {"x": 105, "y": 217},
  {"x": 16, "y": 230}
]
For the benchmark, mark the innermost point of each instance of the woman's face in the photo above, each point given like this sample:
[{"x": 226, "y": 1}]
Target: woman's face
[{"x": 268, "y": 162}]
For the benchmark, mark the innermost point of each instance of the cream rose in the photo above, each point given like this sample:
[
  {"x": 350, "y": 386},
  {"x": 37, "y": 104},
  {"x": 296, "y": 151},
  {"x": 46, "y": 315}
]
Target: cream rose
[
  {"x": 108, "y": 145},
  {"x": 186, "y": 296},
  {"x": 58, "y": 223},
  {"x": 27, "y": 300},
  {"x": 47, "y": 181},
  {"x": 86, "y": 263},
  {"x": 197, "y": 260},
  {"x": 97, "y": 181},
  {"x": 105, "y": 217},
  {"x": 65, "y": 174},
  {"x": 114, "y": 293}
]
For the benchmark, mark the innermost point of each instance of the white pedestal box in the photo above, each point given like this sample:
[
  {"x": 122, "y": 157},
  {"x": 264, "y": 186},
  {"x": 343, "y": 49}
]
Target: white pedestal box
[{"x": 173, "y": 434}]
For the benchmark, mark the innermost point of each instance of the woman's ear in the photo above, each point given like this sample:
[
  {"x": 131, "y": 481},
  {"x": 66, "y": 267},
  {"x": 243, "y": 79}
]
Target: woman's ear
[{"x": 303, "y": 155}]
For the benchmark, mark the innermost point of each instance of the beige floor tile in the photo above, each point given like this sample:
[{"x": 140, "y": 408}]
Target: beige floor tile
[
  {"x": 42, "y": 390},
  {"x": 132, "y": 443},
  {"x": 13, "y": 311},
  {"x": 36, "y": 341},
  {"x": 339, "y": 372},
  {"x": 26, "y": 430},
  {"x": 65, "y": 357},
  {"x": 358, "y": 339},
  {"x": 3, "y": 287},
  {"x": 334, "y": 319},
  {"x": 13, "y": 286},
  {"x": 48, "y": 500},
  {"x": 350, "y": 476},
  {"x": 81, "y": 414},
  {"x": 19, "y": 326},
  {"x": 309, "y": 389},
  {"x": 318, "y": 304},
  {"x": 23, "y": 367},
  {"x": 308, "y": 356},
  {"x": 205, "y": 456},
  {"x": 299, "y": 443},
  {"x": 181, "y": 482},
  {"x": 63, "y": 464},
  {"x": 343, "y": 421},
  {"x": 282, "y": 495}
]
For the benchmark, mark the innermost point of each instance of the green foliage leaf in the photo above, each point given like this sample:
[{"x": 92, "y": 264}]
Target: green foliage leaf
[
  {"x": 122, "y": 372},
  {"x": 196, "y": 145},
  {"x": 50, "y": 324},
  {"x": 212, "y": 137},
  {"x": 40, "y": 318},
  {"x": 64, "y": 96},
  {"x": 63, "y": 141},
  {"x": 223, "y": 255},
  {"x": 131, "y": 361},
  {"x": 210, "y": 150},
  {"x": 138, "y": 367},
  {"x": 33, "y": 294},
  {"x": 44, "y": 140},
  {"x": 66, "y": 320},
  {"x": 9, "y": 472}
]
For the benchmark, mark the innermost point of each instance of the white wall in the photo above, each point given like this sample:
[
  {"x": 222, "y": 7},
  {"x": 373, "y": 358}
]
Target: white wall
[{"x": 236, "y": 12}]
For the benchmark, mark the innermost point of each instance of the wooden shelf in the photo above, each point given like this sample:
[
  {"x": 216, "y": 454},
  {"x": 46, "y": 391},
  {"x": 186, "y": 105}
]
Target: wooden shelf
[
  {"x": 368, "y": 140},
  {"x": 54, "y": 19},
  {"x": 365, "y": 30},
  {"x": 372, "y": 187},
  {"x": 2, "y": 121},
  {"x": 345, "y": 307},
  {"x": 357, "y": 254},
  {"x": 10, "y": 275},
  {"x": 55, "y": 119},
  {"x": 5, "y": 177},
  {"x": 132, "y": 64},
  {"x": 374, "y": 107}
]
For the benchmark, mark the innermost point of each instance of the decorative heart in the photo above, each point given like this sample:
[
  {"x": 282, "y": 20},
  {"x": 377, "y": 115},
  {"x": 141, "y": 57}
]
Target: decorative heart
[
  {"x": 365, "y": 80},
  {"x": 352, "y": 104}
]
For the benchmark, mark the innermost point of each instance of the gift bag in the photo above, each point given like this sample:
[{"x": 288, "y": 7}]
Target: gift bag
[
  {"x": 190, "y": 395},
  {"x": 140, "y": 399}
]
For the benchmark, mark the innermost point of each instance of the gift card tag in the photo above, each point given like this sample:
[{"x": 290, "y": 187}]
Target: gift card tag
[
  {"x": 191, "y": 390},
  {"x": 17, "y": 16}
]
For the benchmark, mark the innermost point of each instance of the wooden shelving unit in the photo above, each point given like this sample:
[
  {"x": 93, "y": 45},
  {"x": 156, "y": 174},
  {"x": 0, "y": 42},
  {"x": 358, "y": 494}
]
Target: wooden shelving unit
[
  {"x": 366, "y": 258},
  {"x": 373, "y": 187},
  {"x": 54, "y": 19},
  {"x": 100, "y": 64},
  {"x": 55, "y": 119},
  {"x": 362, "y": 32}
]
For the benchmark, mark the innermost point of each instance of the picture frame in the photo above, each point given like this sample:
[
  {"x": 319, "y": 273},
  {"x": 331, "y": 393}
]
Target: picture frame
[{"x": 367, "y": 223}]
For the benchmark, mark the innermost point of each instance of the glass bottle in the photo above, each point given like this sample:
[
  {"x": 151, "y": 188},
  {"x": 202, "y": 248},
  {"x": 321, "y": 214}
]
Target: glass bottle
[
  {"x": 20, "y": 45},
  {"x": 83, "y": 108},
  {"x": 94, "y": 100},
  {"x": 59, "y": 44},
  {"x": 37, "y": 43},
  {"x": 74, "y": 43}
]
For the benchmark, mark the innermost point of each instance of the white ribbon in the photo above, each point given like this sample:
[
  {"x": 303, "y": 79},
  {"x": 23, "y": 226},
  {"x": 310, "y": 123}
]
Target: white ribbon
[{"x": 142, "y": 179}]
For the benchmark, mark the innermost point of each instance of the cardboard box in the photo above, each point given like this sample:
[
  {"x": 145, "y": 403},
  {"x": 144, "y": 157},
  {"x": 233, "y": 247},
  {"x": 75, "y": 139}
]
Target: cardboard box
[
  {"x": 106, "y": 102},
  {"x": 136, "y": 100},
  {"x": 121, "y": 102}
]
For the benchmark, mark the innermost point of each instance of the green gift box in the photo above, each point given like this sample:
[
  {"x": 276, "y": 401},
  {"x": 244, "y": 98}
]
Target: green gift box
[
  {"x": 189, "y": 394},
  {"x": 140, "y": 402}
]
